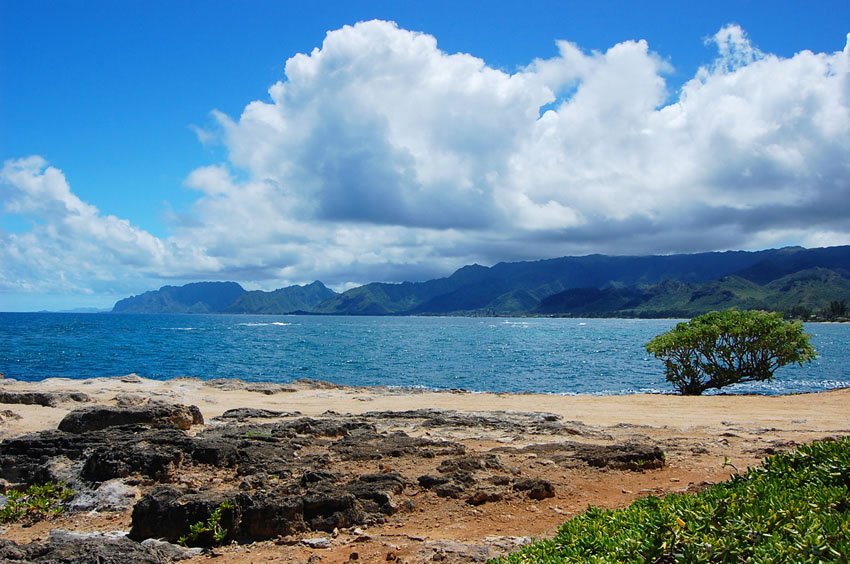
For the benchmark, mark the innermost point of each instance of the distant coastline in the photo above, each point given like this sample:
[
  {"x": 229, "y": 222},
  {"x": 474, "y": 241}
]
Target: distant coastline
[{"x": 805, "y": 284}]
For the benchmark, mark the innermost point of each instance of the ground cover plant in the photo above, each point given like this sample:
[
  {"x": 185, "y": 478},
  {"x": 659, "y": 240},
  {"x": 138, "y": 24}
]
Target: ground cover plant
[
  {"x": 793, "y": 508},
  {"x": 35, "y": 503}
]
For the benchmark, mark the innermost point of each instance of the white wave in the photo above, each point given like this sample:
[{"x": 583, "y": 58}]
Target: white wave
[{"x": 264, "y": 324}]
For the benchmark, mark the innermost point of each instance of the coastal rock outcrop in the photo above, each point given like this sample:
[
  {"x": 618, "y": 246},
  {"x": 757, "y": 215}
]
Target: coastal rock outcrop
[
  {"x": 103, "y": 548},
  {"x": 273, "y": 474},
  {"x": 623, "y": 456},
  {"x": 44, "y": 399},
  {"x": 154, "y": 414}
]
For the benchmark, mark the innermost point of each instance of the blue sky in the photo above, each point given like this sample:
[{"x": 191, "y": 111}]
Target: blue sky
[{"x": 335, "y": 180}]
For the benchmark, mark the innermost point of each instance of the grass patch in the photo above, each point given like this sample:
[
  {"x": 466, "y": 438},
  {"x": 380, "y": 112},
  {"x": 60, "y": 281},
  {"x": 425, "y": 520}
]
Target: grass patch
[
  {"x": 794, "y": 508},
  {"x": 35, "y": 503}
]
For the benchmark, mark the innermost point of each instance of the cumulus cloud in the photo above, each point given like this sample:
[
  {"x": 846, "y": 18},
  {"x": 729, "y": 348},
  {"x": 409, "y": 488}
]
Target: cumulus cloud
[
  {"x": 380, "y": 157},
  {"x": 71, "y": 246}
]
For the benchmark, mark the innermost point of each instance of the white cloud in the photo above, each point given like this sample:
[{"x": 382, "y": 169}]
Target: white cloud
[
  {"x": 380, "y": 157},
  {"x": 71, "y": 246}
]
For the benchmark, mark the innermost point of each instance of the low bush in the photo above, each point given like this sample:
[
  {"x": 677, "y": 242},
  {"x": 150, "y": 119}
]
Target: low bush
[
  {"x": 794, "y": 508},
  {"x": 209, "y": 532},
  {"x": 35, "y": 503}
]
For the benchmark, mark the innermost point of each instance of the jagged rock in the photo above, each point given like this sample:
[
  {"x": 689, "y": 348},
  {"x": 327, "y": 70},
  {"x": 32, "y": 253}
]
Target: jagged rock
[
  {"x": 458, "y": 552},
  {"x": 228, "y": 384},
  {"x": 378, "y": 446},
  {"x": 535, "y": 488},
  {"x": 319, "y": 542},
  {"x": 83, "y": 548},
  {"x": 45, "y": 399},
  {"x": 483, "y": 496},
  {"x": 166, "y": 513},
  {"x": 270, "y": 515},
  {"x": 450, "y": 489},
  {"x": 429, "y": 482},
  {"x": 158, "y": 415},
  {"x": 108, "y": 462},
  {"x": 26, "y": 459},
  {"x": 326, "y": 511},
  {"x": 471, "y": 463},
  {"x": 375, "y": 491},
  {"x": 314, "y": 476},
  {"x": 113, "y": 495},
  {"x": 131, "y": 399},
  {"x": 625, "y": 456},
  {"x": 8, "y": 415},
  {"x": 265, "y": 513},
  {"x": 104, "y": 454},
  {"x": 242, "y": 413},
  {"x": 514, "y": 422}
]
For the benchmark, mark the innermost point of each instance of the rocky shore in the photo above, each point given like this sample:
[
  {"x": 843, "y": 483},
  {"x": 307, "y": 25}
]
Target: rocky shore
[{"x": 398, "y": 476}]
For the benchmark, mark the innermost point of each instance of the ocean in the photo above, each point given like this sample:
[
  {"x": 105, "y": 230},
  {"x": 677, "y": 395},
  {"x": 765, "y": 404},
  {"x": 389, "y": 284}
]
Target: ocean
[{"x": 562, "y": 356}]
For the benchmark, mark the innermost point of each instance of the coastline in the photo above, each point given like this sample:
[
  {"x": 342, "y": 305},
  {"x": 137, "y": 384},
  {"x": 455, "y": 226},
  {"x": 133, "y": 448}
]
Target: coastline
[
  {"x": 823, "y": 411},
  {"x": 697, "y": 436}
]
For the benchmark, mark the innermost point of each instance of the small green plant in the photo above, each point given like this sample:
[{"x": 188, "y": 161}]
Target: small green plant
[
  {"x": 211, "y": 528},
  {"x": 35, "y": 503}
]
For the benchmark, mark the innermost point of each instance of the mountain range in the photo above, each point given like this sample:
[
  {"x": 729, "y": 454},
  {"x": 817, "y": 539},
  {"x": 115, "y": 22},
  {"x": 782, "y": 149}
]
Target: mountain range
[{"x": 680, "y": 285}]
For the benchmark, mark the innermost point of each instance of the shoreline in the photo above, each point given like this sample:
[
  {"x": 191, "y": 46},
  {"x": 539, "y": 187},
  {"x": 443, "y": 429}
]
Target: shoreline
[
  {"x": 525, "y": 436},
  {"x": 314, "y": 397}
]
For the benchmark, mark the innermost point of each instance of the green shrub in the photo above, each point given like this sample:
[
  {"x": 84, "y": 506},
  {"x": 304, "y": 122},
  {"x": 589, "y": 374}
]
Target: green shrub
[
  {"x": 727, "y": 347},
  {"x": 795, "y": 508},
  {"x": 35, "y": 503},
  {"x": 210, "y": 531}
]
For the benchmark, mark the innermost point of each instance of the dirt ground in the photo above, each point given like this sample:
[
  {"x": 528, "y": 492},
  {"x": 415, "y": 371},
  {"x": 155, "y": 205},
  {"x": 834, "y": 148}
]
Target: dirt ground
[{"x": 704, "y": 439}]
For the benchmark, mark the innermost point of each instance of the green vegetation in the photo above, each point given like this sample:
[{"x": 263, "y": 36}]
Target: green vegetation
[
  {"x": 35, "y": 503},
  {"x": 723, "y": 348},
  {"x": 588, "y": 286},
  {"x": 210, "y": 531},
  {"x": 795, "y": 508}
]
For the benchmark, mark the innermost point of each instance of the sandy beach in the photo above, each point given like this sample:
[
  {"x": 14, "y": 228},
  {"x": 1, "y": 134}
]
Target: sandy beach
[{"x": 697, "y": 435}]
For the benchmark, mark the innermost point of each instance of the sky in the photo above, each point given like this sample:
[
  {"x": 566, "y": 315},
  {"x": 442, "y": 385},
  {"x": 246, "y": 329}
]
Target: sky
[{"x": 271, "y": 143}]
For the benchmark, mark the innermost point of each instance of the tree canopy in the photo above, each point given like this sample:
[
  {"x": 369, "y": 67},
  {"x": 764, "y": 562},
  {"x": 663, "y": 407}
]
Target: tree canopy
[{"x": 727, "y": 347}]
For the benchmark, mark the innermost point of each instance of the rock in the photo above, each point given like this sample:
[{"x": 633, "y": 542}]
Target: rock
[
  {"x": 229, "y": 384},
  {"x": 318, "y": 542},
  {"x": 535, "y": 488},
  {"x": 167, "y": 514},
  {"x": 625, "y": 456},
  {"x": 471, "y": 463},
  {"x": 130, "y": 399},
  {"x": 429, "y": 482},
  {"x": 26, "y": 459},
  {"x": 366, "y": 445},
  {"x": 451, "y": 490},
  {"x": 159, "y": 415},
  {"x": 242, "y": 413},
  {"x": 482, "y": 496},
  {"x": 45, "y": 399},
  {"x": 8, "y": 415},
  {"x": 513, "y": 422},
  {"x": 316, "y": 476},
  {"x": 113, "y": 495},
  {"x": 82, "y": 548}
]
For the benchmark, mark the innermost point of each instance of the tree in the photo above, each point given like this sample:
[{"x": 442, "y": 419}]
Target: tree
[{"x": 727, "y": 347}]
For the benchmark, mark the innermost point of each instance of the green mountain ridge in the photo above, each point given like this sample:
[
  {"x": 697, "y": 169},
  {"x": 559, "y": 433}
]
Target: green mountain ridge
[
  {"x": 226, "y": 297},
  {"x": 593, "y": 285}
]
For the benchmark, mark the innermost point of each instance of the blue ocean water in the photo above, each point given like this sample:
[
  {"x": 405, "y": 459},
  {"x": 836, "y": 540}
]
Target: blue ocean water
[{"x": 582, "y": 356}]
